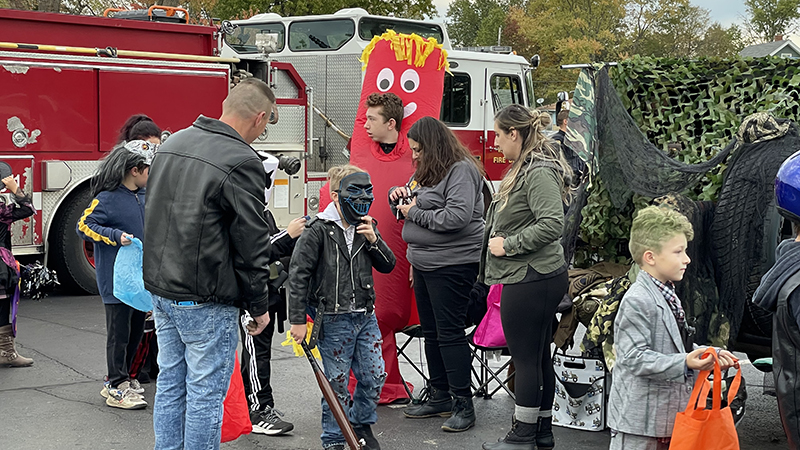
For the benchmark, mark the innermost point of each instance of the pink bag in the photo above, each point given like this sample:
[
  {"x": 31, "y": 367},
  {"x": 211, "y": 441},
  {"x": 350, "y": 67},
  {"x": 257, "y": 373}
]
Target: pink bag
[{"x": 489, "y": 332}]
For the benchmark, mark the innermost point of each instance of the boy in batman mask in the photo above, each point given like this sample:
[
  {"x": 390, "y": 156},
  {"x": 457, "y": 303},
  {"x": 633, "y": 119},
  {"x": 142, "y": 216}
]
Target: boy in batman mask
[{"x": 331, "y": 272}]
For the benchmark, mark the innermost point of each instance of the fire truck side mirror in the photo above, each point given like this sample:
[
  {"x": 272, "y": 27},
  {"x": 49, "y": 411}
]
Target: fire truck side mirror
[
  {"x": 267, "y": 43},
  {"x": 535, "y": 61}
]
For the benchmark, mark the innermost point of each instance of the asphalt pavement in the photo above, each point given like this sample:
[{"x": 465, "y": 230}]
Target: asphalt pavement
[{"x": 56, "y": 403}]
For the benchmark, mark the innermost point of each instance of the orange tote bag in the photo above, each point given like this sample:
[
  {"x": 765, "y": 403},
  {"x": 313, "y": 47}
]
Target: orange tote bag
[{"x": 698, "y": 428}]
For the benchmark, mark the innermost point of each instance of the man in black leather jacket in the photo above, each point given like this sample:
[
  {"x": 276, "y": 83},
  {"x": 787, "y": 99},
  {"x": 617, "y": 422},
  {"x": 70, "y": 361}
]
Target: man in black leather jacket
[{"x": 207, "y": 255}]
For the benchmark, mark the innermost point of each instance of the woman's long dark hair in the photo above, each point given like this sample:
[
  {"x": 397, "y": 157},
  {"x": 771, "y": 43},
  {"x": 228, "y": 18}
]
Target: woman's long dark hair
[
  {"x": 113, "y": 169},
  {"x": 136, "y": 127},
  {"x": 439, "y": 149}
]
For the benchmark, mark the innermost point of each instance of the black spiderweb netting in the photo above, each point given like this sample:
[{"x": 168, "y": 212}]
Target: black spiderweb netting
[{"x": 628, "y": 162}]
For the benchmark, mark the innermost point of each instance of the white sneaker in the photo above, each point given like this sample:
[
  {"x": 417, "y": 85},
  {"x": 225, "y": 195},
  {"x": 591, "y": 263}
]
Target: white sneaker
[
  {"x": 136, "y": 387},
  {"x": 124, "y": 399}
]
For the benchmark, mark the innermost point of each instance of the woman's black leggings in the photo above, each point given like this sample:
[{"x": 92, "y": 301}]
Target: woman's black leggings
[{"x": 527, "y": 311}]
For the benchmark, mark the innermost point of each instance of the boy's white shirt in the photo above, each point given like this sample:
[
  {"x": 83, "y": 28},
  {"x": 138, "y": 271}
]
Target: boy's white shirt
[{"x": 332, "y": 214}]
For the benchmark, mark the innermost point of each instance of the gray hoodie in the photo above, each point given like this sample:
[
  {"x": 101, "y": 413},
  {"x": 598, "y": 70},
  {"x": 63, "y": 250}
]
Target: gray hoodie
[{"x": 445, "y": 228}]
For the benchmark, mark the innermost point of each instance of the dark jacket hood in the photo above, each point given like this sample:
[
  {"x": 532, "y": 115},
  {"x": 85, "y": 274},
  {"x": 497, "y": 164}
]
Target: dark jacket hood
[{"x": 787, "y": 264}]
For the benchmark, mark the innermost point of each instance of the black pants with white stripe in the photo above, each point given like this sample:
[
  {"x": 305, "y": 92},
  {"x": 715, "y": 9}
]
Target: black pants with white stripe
[{"x": 256, "y": 356}]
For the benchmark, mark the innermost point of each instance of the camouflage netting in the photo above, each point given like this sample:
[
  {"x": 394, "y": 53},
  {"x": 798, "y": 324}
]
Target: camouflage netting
[
  {"x": 735, "y": 240},
  {"x": 628, "y": 162}
]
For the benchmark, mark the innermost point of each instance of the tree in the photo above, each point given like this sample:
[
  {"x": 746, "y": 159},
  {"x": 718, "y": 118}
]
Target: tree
[
  {"x": 672, "y": 28},
  {"x": 564, "y": 32},
  {"x": 49, "y": 5},
  {"x": 769, "y": 18},
  {"x": 721, "y": 42},
  {"x": 477, "y": 22}
]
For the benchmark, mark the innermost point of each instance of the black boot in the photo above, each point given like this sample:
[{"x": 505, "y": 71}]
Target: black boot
[
  {"x": 439, "y": 404},
  {"x": 364, "y": 433},
  {"x": 463, "y": 417},
  {"x": 521, "y": 437},
  {"x": 544, "y": 434}
]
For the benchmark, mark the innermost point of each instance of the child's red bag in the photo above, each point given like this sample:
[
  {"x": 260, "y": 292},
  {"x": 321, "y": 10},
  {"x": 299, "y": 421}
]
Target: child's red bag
[
  {"x": 236, "y": 414},
  {"x": 698, "y": 428}
]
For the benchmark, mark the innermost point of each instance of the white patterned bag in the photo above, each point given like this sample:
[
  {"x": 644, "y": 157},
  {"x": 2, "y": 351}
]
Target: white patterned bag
[{"x": 581, "y": 392}]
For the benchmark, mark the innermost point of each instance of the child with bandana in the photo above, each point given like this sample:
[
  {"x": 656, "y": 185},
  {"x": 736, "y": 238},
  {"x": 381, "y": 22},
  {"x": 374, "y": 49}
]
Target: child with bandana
[
  {"x": 114, "y": 217},
  {"x": 331, "y": 274}
]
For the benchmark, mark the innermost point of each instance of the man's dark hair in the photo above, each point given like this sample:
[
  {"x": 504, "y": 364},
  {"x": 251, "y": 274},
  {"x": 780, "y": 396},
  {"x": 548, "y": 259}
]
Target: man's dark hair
[
  {"x": 392, "y": 106},
  {"x": 563, "y": 116}
]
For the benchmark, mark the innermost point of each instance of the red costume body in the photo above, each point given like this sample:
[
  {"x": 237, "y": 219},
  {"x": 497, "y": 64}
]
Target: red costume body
[{"x": 412, "y": 68}]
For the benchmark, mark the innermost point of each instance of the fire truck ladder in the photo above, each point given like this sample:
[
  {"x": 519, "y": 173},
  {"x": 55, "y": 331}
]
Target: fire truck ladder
[{"x": 113, "y": 52}]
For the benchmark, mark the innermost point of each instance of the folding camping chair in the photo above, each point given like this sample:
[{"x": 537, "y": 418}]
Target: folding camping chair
[
  {"x": 413, "y": 332},
  {"x": 485, "y": 374}
]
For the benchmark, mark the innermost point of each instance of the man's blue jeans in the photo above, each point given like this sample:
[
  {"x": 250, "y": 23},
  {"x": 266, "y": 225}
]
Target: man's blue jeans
[
  {"x": 196, "y": 345},
  {"x": 351, "y": 341}
]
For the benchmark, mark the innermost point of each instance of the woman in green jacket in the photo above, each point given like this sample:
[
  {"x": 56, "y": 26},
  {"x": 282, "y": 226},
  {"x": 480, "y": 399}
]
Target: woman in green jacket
[{"x": 522, "y": 251}]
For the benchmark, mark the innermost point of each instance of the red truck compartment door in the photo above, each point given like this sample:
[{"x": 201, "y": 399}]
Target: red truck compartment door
[
  {"x": 172, "y": 99},
  {"x": 47, "y": 109}
]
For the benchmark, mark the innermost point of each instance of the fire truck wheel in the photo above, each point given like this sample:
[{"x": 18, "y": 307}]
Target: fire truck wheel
[{"x": 69, "y": 254}]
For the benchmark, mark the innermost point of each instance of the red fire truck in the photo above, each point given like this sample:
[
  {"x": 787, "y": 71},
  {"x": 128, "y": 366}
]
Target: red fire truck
[{"x": 68, "y": 83}]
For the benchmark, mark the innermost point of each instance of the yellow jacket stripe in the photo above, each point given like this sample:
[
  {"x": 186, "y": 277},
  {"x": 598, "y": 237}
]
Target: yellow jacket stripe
[{"x": 88, "y": 231}]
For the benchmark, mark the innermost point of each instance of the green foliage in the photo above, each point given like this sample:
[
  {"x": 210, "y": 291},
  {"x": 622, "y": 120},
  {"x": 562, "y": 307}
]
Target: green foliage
[
  {"x": 476, "y": 22},
  {"x": 769, "y": 18},
  {"x": 698, "y": 104}
]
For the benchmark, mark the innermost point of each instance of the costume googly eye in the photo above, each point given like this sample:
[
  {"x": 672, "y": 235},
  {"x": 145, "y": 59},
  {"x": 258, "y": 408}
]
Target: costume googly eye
[
  {"x": 409, "y": 80},
  {"x": 385, "y": 79}
]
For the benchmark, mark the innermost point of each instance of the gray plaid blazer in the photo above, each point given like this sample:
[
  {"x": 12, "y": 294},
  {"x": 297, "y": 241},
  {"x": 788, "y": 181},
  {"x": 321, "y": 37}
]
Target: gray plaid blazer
[{"x": 649, "y": 380}]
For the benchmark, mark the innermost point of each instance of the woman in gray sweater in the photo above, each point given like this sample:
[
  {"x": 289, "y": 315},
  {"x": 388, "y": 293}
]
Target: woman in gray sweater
[{"x": 443, "y": 209}]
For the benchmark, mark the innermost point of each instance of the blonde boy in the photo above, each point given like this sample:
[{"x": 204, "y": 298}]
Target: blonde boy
[
  {"x": 331, "y": 272},
  {"x": 654, "y": 373}
]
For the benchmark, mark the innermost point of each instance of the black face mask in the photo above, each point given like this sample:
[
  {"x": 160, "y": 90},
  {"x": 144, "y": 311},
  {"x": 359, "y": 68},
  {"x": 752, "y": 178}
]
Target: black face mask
[{"x": 355, "y": 197}]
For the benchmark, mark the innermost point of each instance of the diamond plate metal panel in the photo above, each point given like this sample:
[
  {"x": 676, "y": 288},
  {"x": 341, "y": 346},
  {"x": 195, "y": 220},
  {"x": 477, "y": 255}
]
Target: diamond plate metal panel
[
  {"x": 81, "y": 171},
  {"x": 284, "y": 86},
  {"x": 291, "y": 127},
  {"x": 312, "y": 69},
  {"x": 341, "y": 103}
]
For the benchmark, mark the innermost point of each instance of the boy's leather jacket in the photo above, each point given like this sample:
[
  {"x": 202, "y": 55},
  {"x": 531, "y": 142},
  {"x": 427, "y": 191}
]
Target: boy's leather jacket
[{"x": 322, "y": 270}]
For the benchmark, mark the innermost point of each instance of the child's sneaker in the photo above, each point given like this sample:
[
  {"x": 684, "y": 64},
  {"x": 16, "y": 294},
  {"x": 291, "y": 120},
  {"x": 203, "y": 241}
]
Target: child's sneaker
[
  {"x": 269, "y": 422},
  {"x": 136, "y": 387},
  {"x": 106, "y": 387},
  {"x": 124, "y": 399}
]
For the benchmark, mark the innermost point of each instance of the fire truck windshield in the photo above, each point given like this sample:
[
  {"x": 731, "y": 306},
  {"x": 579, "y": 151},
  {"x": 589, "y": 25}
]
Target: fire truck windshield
[
  {"x": 243, "y": 38},
  {"x": 369, "y": 27}
]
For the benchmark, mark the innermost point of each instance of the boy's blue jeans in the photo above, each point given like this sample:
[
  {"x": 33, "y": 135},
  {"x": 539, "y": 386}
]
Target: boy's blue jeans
[
  {"x": 351, "y": 341},
  {"x": 196, "y": 345}
]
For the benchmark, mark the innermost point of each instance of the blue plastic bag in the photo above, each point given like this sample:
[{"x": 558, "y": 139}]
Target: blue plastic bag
[{"x": 128, "y": 277}]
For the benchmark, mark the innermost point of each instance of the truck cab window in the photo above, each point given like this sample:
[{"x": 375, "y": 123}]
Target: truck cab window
[
  {"x": 456, "y": 99},
  {"x": 243, "y": 39},
  {"x": 320, "y": 34},
  {"x": 506, "y": 90},
  {"x": 369, "y": 27}
]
